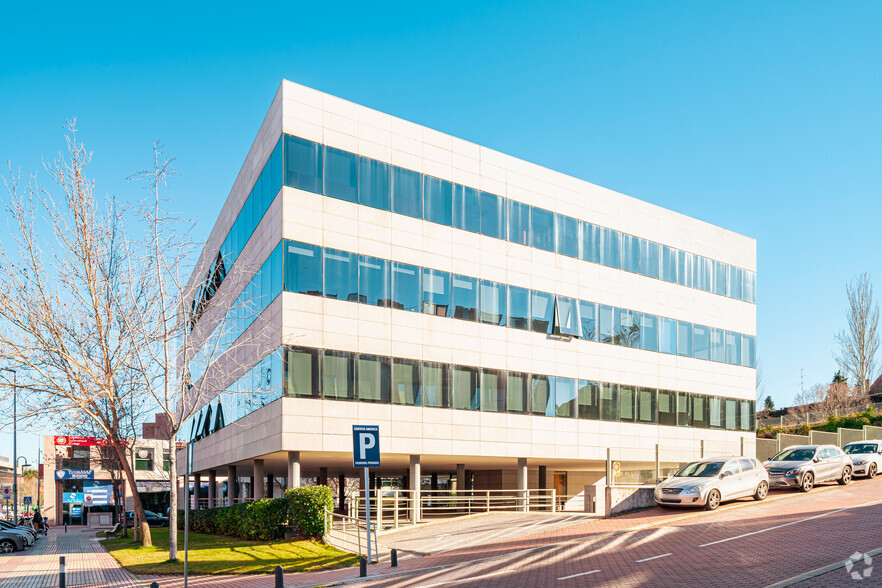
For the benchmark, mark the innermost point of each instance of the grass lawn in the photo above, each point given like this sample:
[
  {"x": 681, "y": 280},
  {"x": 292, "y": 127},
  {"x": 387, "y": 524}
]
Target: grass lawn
[{"x": 214, "y": 554}]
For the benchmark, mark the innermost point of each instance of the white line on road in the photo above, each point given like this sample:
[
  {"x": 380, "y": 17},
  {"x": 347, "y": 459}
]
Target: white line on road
[
  {"x": 577, "y": 575},
  {"x": 790, "y": 523},
  {"x": 653, "y": 557},
  {"x": 460, "y": 580}
]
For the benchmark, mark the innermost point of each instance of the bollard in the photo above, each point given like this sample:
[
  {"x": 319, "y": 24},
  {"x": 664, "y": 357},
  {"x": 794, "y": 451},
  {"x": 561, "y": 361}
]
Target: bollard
[
  {"x": 154, "y": 585},
  {"x": 280, "y": 578},
  {"x": 394, "y": 556},
  {"x": 362, "y": 567},
  {"x": 65, "y": 527},
  {"x": 62, "y": 577}
]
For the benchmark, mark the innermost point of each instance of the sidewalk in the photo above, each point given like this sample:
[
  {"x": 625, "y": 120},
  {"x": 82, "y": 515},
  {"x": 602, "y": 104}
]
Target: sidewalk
[{"x": 87, "y": 563}]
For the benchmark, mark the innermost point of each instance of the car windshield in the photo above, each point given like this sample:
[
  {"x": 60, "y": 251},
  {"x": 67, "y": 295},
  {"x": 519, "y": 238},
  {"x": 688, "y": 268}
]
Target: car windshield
[
  {"x": 795, "y": 455},
  {"x": 700, "y": 469},
  {"x": 860, "y": 448}
]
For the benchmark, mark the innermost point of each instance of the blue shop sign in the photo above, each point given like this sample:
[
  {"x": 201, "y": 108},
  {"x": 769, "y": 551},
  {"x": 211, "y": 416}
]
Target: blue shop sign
[
  {"x": 76, "y": 511},
  {"x": 74, "y": 474},
  {"x": 72, "y": 498}
]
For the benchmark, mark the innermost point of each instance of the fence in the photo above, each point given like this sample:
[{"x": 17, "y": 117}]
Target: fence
[
  {"x": 350, "y": 534},
  {"x": 815, "y": 417},
  {"x": 767, "y": 448}
]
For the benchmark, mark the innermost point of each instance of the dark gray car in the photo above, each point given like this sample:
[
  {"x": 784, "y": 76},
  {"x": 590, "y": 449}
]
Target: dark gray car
[
  {"x": 10, "y": 542},
  {"x": 803, "y": 466}
]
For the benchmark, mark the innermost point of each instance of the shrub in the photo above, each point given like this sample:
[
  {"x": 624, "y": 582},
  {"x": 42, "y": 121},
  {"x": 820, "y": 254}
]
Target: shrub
[{"x": 306, "y": 508}]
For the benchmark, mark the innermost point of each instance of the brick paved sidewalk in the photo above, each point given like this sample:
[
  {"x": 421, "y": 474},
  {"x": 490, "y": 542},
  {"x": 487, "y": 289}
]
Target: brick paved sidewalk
[{"x": 87, "y": 563}]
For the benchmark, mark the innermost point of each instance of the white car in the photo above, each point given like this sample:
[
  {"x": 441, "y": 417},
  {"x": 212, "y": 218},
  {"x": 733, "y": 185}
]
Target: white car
[
  {"x": 866, "y": 457},
  {"x": 708, "y": 482}
]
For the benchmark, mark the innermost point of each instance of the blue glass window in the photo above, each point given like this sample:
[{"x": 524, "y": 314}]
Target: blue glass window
[
  {"x": 627, "y": 404},
  {"x": 518, "y": 222},
  {"x": 465, "y": 298},
  {"x": 543, "y": 229},
  {"x": 518, "y": 308},
  {"x": 542, "y": 400},
  {"x": 589, "y": 242},
  {"x": 436, "y": 293},
  {"x": 649, "y": 332},
  {"x": 684, "y": 339},
  {"x": 407, "y": 197},
  {"x": 542, "y": 307},
  {"x": 341, "y": 174},
  {"x": 700, "y": 342},
  {"x": 492, "y": 301},
  {"x": 466, "y": 209},
  {"x": 702, "y": 273},
  {"x": 492, "y": 387},
  {"x": 630, "y": 253},
  {"x": 733, "y": 348},
  {"x": 302, "y": 372},
  {"x": 303, "y": 164},
  {"x": 734, "y": 286},
  {"x": 492, "y": 215},
  {"x": 405, "y": 382},
  {"x": 566, "y": 317},
  {"x": 667, "y": 335},
  {"x": 374, "y": 281},
  {"x": 748, "y": 292},
  {"x": 341, "y": 275},
  {"x": 685, "y": 268},
  {"x": 700, "y": 417},
  {"x": 748, "y": 351},
  {"x": 465, "y": 388},
  {"x": 374, "y": 379},
  {"x": 684, "y": 409},
  {"x": 437, "y": 200},
  {"x": 720, "y": 278},
  {"x": 629, "y": 328},
  {"x": 374, "y": 183},
  {"x": 303, "y": 269},
  {"x": 565, "y": 394},
  {"x": 588, "y": 317},
  {"x": 718, "y": 345},
  {"x": 435, "y": 386},
  {"x": 338, "y": 375},
  {"x": 669, "y": 264},
  {"x": 607, "y": 319},
  {"x": 649, "y": 258},
  {"x": 566, "y": 232},
  {"x": 516, "y": 386},
  {"x": 610, "y": 248},
  {"x": 406, "y": 287}
]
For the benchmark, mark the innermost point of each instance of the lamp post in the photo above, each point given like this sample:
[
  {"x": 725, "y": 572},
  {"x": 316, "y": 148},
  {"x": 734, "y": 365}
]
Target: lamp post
[
  {"x": 15, "y": 477},
  {"x": 14, "y": 444}
]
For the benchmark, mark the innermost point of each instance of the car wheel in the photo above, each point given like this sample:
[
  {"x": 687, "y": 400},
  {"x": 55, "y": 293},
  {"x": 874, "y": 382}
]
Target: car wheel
[
  {"x": 713, "y": 500},
  {"x": 762, "y": 490},
  {"x": 845, "y": 479},
  {"x": 808, "y": 482},
  {"x": 7, "y": 546},
  {"x": 871, "y": 471}
]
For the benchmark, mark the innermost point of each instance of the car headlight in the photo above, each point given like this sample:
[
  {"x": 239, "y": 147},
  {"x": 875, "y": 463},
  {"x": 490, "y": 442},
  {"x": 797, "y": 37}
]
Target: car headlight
[
  {"x": 792, "y": 472},
  {"x": 859, "y": 461},
  {"x": 693, "y": 490}
]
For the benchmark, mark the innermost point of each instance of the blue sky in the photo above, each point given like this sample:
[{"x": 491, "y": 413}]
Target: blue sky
[{"x": 759, "y": 117}]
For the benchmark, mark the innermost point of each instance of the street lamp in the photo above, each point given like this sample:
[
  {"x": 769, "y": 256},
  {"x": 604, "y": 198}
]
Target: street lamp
[{"x": 14, "y": 444}]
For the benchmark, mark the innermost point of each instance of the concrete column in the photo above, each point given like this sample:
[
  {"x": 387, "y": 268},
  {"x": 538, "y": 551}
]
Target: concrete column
[
  {"x": 414, "y": 478},
  {"x": 293, "y": 469},
  {"x": 341, "y": 492},
  {"x": 460, "y": 477},
  {"x": 323, "y": 476},
  {"x": 257, "y": 480},
  {"x": 231, "y": 485},
  {"x": 212, "y": 488},
  {"x": 522, "y": 482},
  {"x": 197, "y": 488}
]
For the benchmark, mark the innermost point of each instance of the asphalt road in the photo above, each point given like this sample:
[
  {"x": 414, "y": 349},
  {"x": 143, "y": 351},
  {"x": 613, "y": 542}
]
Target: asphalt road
[{"x": 750, "y": 544}]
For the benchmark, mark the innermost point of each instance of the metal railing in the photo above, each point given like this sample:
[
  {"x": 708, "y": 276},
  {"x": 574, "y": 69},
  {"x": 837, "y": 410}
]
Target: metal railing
[
  {"x": 350, "y": 534},
  {"x": 815, "y": 417}
]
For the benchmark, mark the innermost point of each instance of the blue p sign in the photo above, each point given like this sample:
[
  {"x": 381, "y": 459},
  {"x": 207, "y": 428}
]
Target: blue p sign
[{"x": 365, "y": 446}]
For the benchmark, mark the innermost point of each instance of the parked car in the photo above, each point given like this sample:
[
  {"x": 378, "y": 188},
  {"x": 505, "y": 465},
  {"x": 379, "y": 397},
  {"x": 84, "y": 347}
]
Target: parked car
[
  {"x": 709, "y": 482},
  {"x": 153, "y": 519},
  {"x": 27, "y": 532},
  {"x": 11, "y": 541},
  {"x": 866, "y": 456},
  {"x": 803, "y": 466}
]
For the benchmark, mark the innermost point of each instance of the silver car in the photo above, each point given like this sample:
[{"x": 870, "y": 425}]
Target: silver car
[
  {"x": 803, "y": 466},
  {"x": 709, "y": 482},
  {"x": 866, "y": 457},
  {"x": 10, "y": 542}
]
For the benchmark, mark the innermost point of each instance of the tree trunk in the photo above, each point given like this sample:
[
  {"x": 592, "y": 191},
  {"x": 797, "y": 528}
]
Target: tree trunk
[
  {"x": 173, "y": 500},
  {"x": 146, "y": 538}
]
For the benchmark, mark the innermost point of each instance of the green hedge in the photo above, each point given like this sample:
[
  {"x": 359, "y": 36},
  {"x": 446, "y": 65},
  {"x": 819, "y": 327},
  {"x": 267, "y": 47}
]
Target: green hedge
[{"x": 265, "y": 520}]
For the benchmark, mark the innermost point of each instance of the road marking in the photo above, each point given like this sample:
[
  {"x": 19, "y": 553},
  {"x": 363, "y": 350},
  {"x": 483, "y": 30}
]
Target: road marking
[
  {"x": 652, "y": 558},
  {"x": 790, "y": 523},
  {"x": 577, "y": 575},
  {"x": 460, "y": 580}
]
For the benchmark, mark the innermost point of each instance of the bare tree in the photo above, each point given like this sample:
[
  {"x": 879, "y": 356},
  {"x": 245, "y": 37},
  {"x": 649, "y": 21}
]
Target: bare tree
[
  {"x": 859, "y": 343},
  {"x": 64, "y": 301},
  {"x": 187, "y": 337}
]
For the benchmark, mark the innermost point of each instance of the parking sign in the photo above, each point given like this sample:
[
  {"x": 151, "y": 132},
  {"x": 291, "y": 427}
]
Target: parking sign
[
  {"x": 366, "y": 446},
  {"x": 7, "y": 492}
]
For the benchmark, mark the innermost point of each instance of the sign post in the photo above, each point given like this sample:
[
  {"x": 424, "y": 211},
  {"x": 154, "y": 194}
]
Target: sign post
[{"x": 366, "y": 454}]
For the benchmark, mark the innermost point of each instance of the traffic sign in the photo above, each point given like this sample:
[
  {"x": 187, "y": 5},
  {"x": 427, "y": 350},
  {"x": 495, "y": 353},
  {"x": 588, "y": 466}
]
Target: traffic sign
[
  {"x": 88, "y": 499},
  {"x": 365, "y": 446},
  {"x": 7, "y": 492},
  {"x": 617, "y": 469},
  {"x": 27, "y": 500}
]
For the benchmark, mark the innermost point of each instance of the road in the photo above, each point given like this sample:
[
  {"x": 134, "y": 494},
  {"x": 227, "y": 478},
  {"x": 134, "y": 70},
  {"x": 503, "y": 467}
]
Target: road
[{"x": 748, "y": 544}]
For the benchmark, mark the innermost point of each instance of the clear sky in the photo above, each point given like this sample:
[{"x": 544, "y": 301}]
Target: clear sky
[{"x": 760, "y": 117}]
